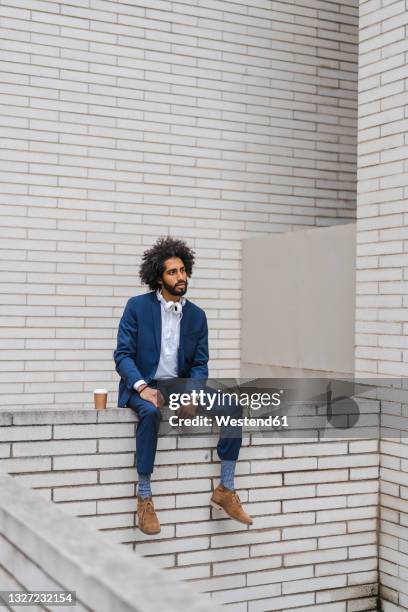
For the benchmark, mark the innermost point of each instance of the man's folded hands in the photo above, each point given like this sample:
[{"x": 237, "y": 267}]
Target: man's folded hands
[{"x": 154, "y": 396}]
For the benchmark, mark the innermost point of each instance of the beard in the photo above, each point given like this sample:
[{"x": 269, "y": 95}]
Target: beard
[{"x": 174, "y": 290}]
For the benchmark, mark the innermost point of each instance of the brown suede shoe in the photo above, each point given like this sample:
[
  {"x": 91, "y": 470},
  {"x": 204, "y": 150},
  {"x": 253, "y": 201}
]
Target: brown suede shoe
[
  {"x": 229, "y": 501},
  {"x": 147, "y": 519}
]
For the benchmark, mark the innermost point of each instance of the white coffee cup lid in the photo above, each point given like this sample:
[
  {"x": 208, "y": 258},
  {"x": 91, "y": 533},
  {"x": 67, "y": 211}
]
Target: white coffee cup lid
[{"x": 100, "y": 391}]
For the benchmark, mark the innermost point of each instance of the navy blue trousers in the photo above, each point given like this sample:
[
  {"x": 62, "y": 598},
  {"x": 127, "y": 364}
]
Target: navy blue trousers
[{"x": 148, "y": 426}]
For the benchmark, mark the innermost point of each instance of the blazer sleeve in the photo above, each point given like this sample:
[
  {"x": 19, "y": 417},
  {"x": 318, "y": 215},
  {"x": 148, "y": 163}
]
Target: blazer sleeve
[
  {"x": 199, "y": 368},
  {"x": 126, "y": 348}
]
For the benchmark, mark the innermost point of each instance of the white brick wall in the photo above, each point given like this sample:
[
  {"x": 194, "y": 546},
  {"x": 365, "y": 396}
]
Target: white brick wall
[
  {"x": 313, "y": 542},
  {"x": 381, "y": 327},
  {"x": 210, "y": 120}
]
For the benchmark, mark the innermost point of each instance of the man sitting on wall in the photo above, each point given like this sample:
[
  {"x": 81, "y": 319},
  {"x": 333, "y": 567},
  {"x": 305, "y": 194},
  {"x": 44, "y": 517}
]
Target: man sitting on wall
[{"x": 163, "y": 336}]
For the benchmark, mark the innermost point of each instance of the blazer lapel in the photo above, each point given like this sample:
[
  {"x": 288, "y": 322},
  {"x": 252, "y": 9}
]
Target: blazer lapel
[
  {"x": 183, "y": 328},
  {"x": 184, "y": 320},
  {"x": 156, "y": 318}
]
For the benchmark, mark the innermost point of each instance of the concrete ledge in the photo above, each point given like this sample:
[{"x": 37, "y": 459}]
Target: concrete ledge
[
  {"x": 105, "y": 576},
  {"x": 43, "y": 417}
]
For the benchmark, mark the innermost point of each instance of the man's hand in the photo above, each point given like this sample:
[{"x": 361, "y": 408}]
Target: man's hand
[
  {"x": 152, "y": 395},
  {"x": 187, "y": 412}
]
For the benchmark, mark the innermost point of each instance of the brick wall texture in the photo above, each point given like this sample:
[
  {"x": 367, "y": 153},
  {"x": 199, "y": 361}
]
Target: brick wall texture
[
  {"x": 312, "y": 546},
  {"x": 122, "y": 121},
  {"x": 382, "y": 273}
]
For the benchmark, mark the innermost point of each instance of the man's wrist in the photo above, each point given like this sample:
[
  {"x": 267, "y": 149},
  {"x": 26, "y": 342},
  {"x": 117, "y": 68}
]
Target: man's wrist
[
  {"x": 141, "y": 388},
  {"x": 140, "y": 385}
]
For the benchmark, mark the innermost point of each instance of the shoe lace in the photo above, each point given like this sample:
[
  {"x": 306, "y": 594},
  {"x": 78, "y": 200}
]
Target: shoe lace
[
  {"x": 147, "y": 506},
  {"x": 235, "y": 498}
]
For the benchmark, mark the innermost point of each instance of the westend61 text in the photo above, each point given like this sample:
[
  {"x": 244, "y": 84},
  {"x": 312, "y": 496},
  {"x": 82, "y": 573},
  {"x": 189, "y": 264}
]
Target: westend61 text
[{"x": 227, "y": 421}]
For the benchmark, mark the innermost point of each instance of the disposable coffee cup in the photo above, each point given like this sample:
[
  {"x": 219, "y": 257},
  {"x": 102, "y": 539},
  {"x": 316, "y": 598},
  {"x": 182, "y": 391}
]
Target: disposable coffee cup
[{"x": 100, "y": 398}]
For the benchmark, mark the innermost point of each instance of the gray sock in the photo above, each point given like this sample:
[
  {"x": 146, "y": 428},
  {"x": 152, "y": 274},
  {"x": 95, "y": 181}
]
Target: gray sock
[
  {"x": 228, "y": 473},
  {"x": 143, "y": 489}
]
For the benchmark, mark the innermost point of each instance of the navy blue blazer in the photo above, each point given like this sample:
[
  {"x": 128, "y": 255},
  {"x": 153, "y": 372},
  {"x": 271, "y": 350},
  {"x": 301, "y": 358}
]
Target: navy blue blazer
[{"x": 137, "y": 352}]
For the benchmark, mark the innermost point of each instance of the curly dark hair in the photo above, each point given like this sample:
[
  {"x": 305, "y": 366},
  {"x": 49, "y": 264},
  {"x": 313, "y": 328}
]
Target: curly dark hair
[{"x": 152, "y": 266}]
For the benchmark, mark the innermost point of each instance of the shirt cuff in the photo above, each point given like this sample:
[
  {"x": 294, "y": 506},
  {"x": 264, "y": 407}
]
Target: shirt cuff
[{"x": 138, "y": 383}]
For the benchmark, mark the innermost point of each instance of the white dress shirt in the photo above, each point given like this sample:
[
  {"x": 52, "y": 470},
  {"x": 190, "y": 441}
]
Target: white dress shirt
[{"x": 170, "y": 339}]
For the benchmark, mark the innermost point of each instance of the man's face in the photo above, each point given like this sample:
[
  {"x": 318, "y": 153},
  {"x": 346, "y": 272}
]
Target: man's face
[{"x": 174, "y": 277}]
